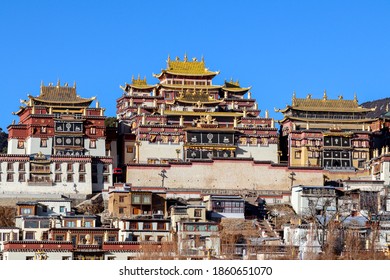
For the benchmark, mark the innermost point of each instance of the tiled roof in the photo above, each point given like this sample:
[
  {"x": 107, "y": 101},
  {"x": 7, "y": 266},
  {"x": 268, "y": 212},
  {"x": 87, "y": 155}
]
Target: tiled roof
[
  {"x": 60, "y": 94},
  {"x": 186, "y": 67}
]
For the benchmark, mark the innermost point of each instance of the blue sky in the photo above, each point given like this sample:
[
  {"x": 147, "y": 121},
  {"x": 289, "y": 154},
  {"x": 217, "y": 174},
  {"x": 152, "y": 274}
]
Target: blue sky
[{"x": 276, "y": 47}]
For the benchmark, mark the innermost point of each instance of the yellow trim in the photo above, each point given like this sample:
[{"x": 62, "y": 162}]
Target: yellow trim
[{"x": 216, "y": 114}]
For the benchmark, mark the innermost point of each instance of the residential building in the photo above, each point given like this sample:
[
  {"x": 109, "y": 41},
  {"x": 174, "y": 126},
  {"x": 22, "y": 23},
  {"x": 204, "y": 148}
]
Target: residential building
[{"x": 221, "y": 206}]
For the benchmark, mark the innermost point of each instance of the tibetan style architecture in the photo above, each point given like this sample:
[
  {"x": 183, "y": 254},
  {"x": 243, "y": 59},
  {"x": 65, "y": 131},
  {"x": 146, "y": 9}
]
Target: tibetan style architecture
[
  {"x": 330, "y": 133},
  {"x": 192, "y": 127},
  {"x": 58, "y": 145},
  {"x": 186, "y": 117}
]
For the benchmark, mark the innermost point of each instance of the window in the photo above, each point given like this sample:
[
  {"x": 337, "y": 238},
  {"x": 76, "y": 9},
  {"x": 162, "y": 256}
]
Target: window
[
  {"x": 45, "y": 224},
  {"x": 60, "y": 237},
  {"x": 146, "y": 199},
  {"x": 106, "y": 179},
  {"x": 30, "y": 235},
  {"x": 92, "y": 130},
  {"x": 58, "y": 166},
  {"x": 10, "y": 177},
  {"x": 111, "y": 258},
  {"x": 21, "y": 177},
  {"x": 82, "y": 167},
  {"x": 69, "y": 178},
  {"x": 57, "y": 178},
  {"x": 133, "y": 225},
  {"x": 198, "y": 213},
  {"x": 66, "y": 258},
  {"x": 21, "y": 166},
  {"x": 62, "y": 209},
  {"x": 69, "y": 167},
  {"x": 31, "y": 224},
  {"x": 20, "y": 144},
  {"x": 106, "y": 168},
  {"x": 136, "y": 199},
  {"x": 29, "y": 258},
  {"x": 121, "y": 210},
  {"x": 87, "y": 224},
  {"x": 121, "y": 199},
  {"x": 71, "y": 224},
  {"x": 160, "y": 226},
  {"x": 147, "y": 225},
  {"x": 92, "y": 144},
  {"x": 10, "y": 166},
  {"x": 298, "y": 154},
  {"x": 129, "y": 149},
  {"x": 82, "y": 178},
  {"x": 43, "y": 143},
  {"x": 43, "y": 129},
  {"x": 26, "y": 211},
  {"x": 98, "y": 239}
]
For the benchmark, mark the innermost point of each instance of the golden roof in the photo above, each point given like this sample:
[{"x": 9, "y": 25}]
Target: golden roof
[
  {"x": 325, "y": 104},
  {"x": 60, "y": 94},
  {"x": 185, "y": 67},
  {"x": 234, "y": 86},
  {"x": 138, "y": 83}
]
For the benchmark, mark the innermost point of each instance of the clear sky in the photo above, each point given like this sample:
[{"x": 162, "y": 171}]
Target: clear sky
[{"x": 276, "y": 47}]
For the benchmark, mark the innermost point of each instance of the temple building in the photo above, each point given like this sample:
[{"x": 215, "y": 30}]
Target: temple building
[
  {"x": 58, "y": 145},
  {"x": 185, "y": 117},
  {"x": 330, "y": 133}
]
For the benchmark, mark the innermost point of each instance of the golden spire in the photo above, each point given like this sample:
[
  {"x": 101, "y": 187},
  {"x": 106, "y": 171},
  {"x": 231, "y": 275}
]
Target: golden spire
[
  {"x": 58, "y": 82},
  {"x": 294, "y": 97},
  {"x": 185, "y": 57},
  {"x": 168, "y": 61},
  {"x": 202, "y": 59},
  {"x": 340, "y": 97},
  {"x": 325, "y": 96},
  {"x": 74, "y": 84},
  {"x": 355, "y": 97},
  {"x": 42, "y": 83}
]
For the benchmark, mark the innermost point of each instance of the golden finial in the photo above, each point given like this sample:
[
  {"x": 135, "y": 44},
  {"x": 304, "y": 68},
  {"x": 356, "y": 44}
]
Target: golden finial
[
  {"x": 355, "y": 97},
  {"x": 42, "y": 83},
  {"x": 340, "y": 97},
  {"x": 294, "y": 95},
  {"x": 58, "y": 82},
  {"x": 325, "y": 96},
  {"x": 74, "y": 84},
  {"x": 308, "y": 96},
  {"x": 202, "y": 59},
  {"x": 185, "y": 57},
  {"x": 132, "y": 78},
  {"x": 168, "y": 61},
  {"x": 139, "y": 77}
]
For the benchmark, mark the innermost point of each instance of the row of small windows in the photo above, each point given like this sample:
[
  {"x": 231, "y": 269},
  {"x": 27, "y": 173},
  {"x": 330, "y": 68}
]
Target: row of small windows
[
  {"x": 58, "y": 167},
  {"x": 58, "y": 178},
  {"x": 43, "y": 143}
]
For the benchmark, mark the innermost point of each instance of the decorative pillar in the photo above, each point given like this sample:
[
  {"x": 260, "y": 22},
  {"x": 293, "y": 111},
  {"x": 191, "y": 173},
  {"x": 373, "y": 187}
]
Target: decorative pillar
[
  {"x": 131, "y": 102},
  {"x": 181, "y": 121},
  {"x": 235, "y": 122},
  {"x": 138, "y": 110}
]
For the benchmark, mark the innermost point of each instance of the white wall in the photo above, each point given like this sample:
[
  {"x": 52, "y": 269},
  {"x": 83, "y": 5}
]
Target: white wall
[
  {"x": 159, "y": 150},
  {"x": 33, "y": 146},
  {"x": 100, "y": 149},
  {"x": 259, "y": 152},
  {"x": 222, "y": 174},
  {"x": 20, "y": 255}
]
